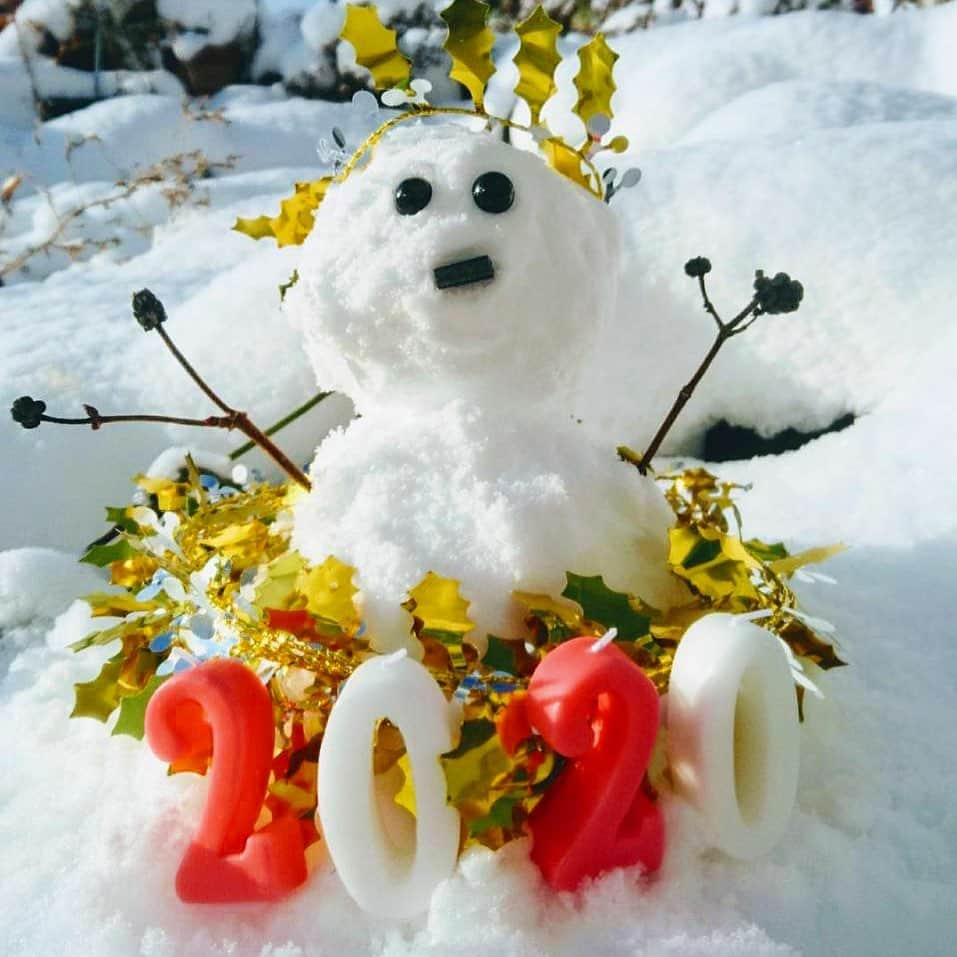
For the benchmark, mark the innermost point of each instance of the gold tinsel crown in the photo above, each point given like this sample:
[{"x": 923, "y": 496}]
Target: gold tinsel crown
[{"x": 469, "y": 44}]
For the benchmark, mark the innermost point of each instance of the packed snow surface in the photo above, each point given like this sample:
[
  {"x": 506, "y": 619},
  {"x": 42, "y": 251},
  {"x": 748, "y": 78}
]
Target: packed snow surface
[{"x": 821, "y": 144}]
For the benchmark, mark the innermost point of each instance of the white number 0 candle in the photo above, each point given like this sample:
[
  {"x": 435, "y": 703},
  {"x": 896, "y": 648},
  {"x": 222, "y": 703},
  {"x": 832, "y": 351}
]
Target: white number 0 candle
[
  {"x": 384, "y": 878},
  {"x": 733, "y": 738}
]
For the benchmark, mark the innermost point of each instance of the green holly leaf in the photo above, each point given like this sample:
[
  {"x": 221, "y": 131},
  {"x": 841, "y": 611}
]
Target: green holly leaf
[
  {"x": 613, "y": 609},
  {"x": 103, "y": 555},
  {"x": 132, "y": 715},
  {"x": 471, "y": 767},
  {"x": 766, "y": 551},
  {"x": 702, "y": 552},
  {"x": 501, "y": 656},
  {"x": 121, "y": 519},
  {"x": 500, "y": 814},
  {"x": 284, "y": 287}
]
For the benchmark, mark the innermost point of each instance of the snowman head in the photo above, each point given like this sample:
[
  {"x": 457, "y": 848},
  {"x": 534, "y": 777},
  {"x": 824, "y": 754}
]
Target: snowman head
[{"x": 454, "y": 265}]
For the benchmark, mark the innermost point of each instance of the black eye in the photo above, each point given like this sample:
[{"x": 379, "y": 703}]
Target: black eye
[
  {"x": 412, "y": 196},
  {"x": 493, "y": 192}
]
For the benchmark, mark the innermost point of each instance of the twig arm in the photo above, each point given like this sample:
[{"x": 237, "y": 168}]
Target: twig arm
[
  {"x": 150, "y": 313},
  {"x": 724, "y": 333},
  {"x": 191, "y": 372},
  {"x": 775, "y": 295}
]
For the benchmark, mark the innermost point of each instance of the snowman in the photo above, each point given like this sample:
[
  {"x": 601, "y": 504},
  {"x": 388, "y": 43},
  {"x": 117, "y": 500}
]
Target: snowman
[{"x": 453, "y": 288}]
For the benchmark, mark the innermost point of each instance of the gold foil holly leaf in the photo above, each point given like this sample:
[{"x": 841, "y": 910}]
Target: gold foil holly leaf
[
  {"x": 787, "y": 565},
  {"x": 469, "y": 44},
  {"x": 276, "y": 587},
  {"x": 376, "y": 47},
  {"x": 494, "y": 791},
  {"x": 242, "y": 543},
  {"x": 405, "y": 796},
  {"x": 125, "y": 674},
  {"x": 568, "y": 162},
  {"x": 716, "y": 565},
  {"x": 474, "y": 773},
  {"x": 133, "y": 573},
  {"x": 141, "y": 620},
  {"x": 99, "y": 697},
  {"x": 474, "y": 762},
  {"x": 697, "y": 497},
  {"x": 294, "y": 798},
  {"x": 549, "y": 620},
  {"x": 116, "y": 605},
  {"x": 170, "y": 496},
  {"x": 138, "y": 629},
  {"x": 239, "y": 528},
  {"x": 330, "y": 595},
  {"x": 500, "y": 817},
  {"x": 297, "y": 215},
  {"x": 594, "y": 82},
  {"x": 257, "y": 227},
  {"x": 536, "y": 60},
  {"x": 440, "y": 613}
]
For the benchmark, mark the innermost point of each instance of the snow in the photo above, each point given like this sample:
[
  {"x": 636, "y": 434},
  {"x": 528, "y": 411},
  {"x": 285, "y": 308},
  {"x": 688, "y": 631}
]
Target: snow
[
  {"x": 220, "y": 21},
  {"x": 374, "y": 321},
  {"x": 497, "y": 501},
  {"x": 322, "y": 23},
  {"x": 822, "y": 144},
  {"x": 34, "y": 16}
]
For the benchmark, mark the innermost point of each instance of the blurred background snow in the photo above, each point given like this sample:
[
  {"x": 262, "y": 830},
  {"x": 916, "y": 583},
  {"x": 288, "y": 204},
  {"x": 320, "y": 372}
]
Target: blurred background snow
[{"x": 823, "y": 143}]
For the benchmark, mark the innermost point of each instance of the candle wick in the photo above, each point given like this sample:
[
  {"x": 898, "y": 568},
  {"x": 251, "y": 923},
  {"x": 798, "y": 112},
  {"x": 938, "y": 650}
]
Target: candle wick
[{"x": 606, "y": 639}]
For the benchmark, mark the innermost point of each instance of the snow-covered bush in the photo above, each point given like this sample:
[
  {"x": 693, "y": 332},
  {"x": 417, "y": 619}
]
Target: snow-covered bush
[{"x": 79, "y": 51}]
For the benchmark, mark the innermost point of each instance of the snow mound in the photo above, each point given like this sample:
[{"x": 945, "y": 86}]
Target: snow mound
[
  {"x": 862, "y": 216},
  {"x": 856, "y": 201},
  {"x": 789, "y": 110}
]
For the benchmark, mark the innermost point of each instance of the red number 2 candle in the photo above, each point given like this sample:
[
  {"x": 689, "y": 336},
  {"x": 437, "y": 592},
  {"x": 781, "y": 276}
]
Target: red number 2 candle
[
  {"x": 597, "y": 708},
  {"x": 222, "y": 706}
]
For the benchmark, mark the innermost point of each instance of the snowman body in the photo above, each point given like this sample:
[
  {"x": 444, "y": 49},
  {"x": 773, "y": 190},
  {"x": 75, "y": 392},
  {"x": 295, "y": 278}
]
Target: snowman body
[{"x": 454, "y": 288}]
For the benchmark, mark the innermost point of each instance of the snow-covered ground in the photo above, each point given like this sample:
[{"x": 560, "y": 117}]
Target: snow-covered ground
[{"x": 821, "y": 144}]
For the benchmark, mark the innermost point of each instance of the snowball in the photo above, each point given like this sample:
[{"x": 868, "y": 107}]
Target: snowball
[
  {"x": 498, "y": 500},
  {"x": 379, "y": 329}
]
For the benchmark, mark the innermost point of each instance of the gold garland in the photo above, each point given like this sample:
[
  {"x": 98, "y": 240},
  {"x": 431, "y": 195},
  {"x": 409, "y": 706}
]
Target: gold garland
[
  {"x": 206, "y": 570},
  {"x": 469, "y": 44}
]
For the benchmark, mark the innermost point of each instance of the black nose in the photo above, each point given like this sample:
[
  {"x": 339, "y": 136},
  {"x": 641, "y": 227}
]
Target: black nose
[{"x": 464, "y": 273}]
